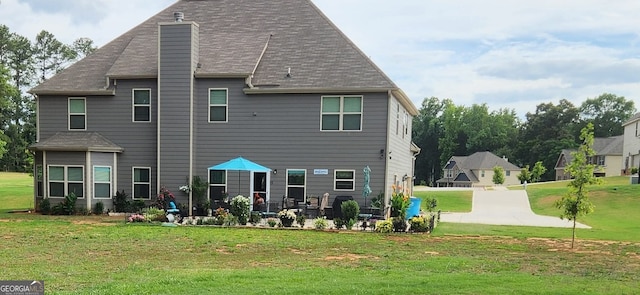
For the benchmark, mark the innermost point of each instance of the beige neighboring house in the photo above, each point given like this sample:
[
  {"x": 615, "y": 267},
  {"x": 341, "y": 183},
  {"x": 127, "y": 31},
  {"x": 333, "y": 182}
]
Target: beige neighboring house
[
  {"x": 608, "y": 158},
  {"x": 631, "y": 144},
  {"x": 476, "y": 170}
]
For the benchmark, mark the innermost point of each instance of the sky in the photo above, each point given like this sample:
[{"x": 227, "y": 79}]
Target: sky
[{"x": 507, "y": 54}]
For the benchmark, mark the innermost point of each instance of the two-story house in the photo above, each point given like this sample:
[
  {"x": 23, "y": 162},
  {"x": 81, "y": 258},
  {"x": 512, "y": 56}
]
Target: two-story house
[
  {"x": 631, "y": 143},
  {"x": 476, "y": 170},
  {"x": 607, "y": 158},
  {"x": 203, "y": 82}
]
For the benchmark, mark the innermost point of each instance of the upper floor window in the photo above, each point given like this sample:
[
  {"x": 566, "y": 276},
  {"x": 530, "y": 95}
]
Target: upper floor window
[
  {"x": 341, "y": 113},
  {"x": 77, "y": 113},
  {"x": 141, "y": 105},
  {"x": 344, "y": 180},
  {"x": 218, "y": 105}
]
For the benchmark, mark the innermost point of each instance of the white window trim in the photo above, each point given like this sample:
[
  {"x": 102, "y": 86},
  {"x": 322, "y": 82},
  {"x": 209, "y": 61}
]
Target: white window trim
[
  {"x": 69, "y": 113},
  {"x": 226, "y": 117},
  {"x": 65, "y": 181},
  {"x": 133, "y": 181},
  {"x": 335, "y": 180},
  {"x": 134, "y": 105},
  {"x": 101, "y": 182},
  {"x": 341, "y": 113},
  {"x": 304, "y": 186}
]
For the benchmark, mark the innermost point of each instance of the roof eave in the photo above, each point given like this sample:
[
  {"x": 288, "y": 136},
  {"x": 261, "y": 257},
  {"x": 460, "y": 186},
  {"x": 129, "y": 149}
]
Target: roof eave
[
  {"x": 406, "y": 102},
  {"x": 273, "y": 90},
  {"x": 76, "y": 149},
  {"x": 103, "y": 92},
  {"x": 222, "y": 75}
]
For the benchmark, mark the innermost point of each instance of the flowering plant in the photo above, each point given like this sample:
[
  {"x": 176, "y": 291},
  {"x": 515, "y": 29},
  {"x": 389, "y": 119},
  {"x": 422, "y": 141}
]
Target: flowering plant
[
  {"x": 399, "y": 204},
  {"x": 240, "y": 208},
  {"x": 287, "y": 214},
  {"x": 136, "y": 218},
  {"x": 164, "y": 197}
]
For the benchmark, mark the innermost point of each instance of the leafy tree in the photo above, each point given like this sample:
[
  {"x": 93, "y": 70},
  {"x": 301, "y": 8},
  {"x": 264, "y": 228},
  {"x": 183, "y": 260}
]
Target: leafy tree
[
  {"x": 525, "y": 174},
  {"x": 83, "y": 47},
  {"x": 576, "y": 201},
  {"x": 537, "y": 171},
  {"x": 453, "y": 140},
  {"x": 607, "y": 112},
  {"x": 51, "y": 55},
  {"x": 498, "y": 175},
  {"x": 546, "y": 132},
  {"x": 427, "y": 130}
]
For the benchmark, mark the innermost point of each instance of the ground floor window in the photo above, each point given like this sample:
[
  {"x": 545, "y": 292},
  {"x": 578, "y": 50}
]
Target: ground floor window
[
  {"x": 141, "y": 183},
  {"x": 102, "y": 182},
  {"x": 296, "y": 183},
  {"x": 217, "y": 185},
  {"x": 64, "y": 180},
  {"x": 344, "y": 180}
]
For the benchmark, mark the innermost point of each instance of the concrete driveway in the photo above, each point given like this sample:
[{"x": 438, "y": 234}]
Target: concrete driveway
[{"x": 503, "y": 207}]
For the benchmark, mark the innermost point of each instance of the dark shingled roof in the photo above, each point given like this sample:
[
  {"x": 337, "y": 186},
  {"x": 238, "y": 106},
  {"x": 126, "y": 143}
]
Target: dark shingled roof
[
  {"x": 238, "y": 38},
  {"x": 76, "y": 141}
]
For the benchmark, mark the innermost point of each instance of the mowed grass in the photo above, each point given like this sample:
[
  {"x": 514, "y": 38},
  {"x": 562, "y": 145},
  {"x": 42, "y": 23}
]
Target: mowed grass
[
  {"x": 101, "y": 255},
  {"x": 16, "y": 191},
  {"x": 448, "y": 201}
]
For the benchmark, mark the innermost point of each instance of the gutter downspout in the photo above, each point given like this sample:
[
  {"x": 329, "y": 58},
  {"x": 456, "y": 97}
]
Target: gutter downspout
[{"x": 248, "y": 79}]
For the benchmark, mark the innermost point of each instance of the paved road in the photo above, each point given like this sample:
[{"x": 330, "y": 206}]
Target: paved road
[{"x": 503, "y": 207}]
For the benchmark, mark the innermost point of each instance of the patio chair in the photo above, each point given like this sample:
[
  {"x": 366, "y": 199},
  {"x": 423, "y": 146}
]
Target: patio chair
[
  {"x": 312, "y": 207},
  {"x": 324, "y": 206}
]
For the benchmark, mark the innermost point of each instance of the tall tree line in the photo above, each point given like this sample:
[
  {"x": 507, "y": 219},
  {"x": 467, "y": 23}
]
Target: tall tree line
[
  {"x": 443, "y": 129},
  {"x": 23, "y": 64}
]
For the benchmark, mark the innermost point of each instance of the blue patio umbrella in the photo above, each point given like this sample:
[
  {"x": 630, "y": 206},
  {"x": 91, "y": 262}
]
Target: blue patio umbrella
[
  {"x": 242, "y": 164},
  {"x": 366, "y": 190}
]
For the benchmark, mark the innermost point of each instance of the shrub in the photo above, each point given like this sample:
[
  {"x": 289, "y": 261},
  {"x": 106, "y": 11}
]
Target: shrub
[
  {"x": 45, "y": 206},
  {"x": 199, "y": 191},
  {"x": 154, "y": 214},
  {"x": 272, "y": 222},
  {"x": 384, "y": 226},
  {"x": 68, "y": 206},
  {"x": 136, "y": 206},
  {"x": 399, "y": 224},
  {"x": 121, "y": 202},
  {"x": 300, "y": 219},
  {"x": 320, "y": 223},
  {"x": 634, "y": 170},
  {"x": 350, "y": 210},
  {"x": 98, "y": 209},
  {"x": 240, "y": 208},
  {"x": 350, "y": 223},
  {"x": 231, "y": 220},
  {"x": 338, "y": 222},
  {"x": 419, "y": 224},
  {"x": 254, "y": 218}
]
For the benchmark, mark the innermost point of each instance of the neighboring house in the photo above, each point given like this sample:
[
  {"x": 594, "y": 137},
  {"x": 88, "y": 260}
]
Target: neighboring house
[
  {"x": 203, "y": 82},
  {"x": 477, "y": 170},
  {"x": 608, "y": 158},
  {"x": 631, "y": 146}
]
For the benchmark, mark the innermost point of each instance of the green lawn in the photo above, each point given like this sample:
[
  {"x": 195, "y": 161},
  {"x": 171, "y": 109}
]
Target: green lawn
[
  {"x": 100, "y": 255},
  {"x": 449, "y": 201}
]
